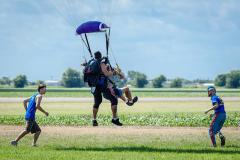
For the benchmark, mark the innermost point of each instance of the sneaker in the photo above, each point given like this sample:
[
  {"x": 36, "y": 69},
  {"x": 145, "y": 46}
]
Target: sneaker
[
  {"x": 135, "y": 99},
  {"x": 14, "y": 143},
  {"x": 222, "y": 140},
  {"x": 117, "y": 122},
  {"x": 130, "y": 103},
  {"x": 34, "y": 145},
  {"x": 94, "y": 123}
]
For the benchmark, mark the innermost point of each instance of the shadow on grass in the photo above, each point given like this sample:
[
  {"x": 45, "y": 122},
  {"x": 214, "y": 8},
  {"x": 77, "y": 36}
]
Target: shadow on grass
[
  {"x": 233, "y": 146},
  {"x": 149, "y": 149}
]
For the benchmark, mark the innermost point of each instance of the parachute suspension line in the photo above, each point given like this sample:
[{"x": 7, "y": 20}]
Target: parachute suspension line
[
  {"x": 107, "y": 43},
  {"x": 60, "y": 13},
  {"x": 101, "y": 10},
  {"x": 113, "y": 56},
  {"x": 83, "y": 51},
  {"x": 108, "y": 13},
  {"x": 73, "y": 6},
  {"x": 115, "y": 60},
  {"x": 87, "y": 44},
  {"x": 107, "y": 36},
  {"x": 105, "y": 10}
]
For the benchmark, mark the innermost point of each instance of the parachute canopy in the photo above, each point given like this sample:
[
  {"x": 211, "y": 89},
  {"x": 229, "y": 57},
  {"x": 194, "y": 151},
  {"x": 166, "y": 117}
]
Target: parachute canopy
[{"x": 91, "y": 26}]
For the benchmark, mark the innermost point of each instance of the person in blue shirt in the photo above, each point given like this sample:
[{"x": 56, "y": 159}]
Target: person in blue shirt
[
  {"x": 218, "y": 118},
  {"x": 31, "y": 105}
]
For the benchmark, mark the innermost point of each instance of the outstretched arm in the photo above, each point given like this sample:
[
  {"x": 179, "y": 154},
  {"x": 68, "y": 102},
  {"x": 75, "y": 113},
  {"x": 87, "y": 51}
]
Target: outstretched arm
[
  {"x": 215, "y": 106},
  {"x": 39, "y": 100}
]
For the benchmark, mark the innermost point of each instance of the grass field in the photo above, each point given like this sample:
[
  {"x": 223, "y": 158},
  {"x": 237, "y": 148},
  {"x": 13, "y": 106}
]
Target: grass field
[
  {"x": 143, "y": 114},
  {"x": 119, "y": 143},
  {"x": 152, "y": 130},
  {"x": 147, "y": 92}
]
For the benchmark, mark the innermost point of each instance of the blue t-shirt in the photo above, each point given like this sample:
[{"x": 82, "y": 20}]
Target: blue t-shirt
[
  {"x": 31, "y": 108},
  {"x": 220, "y": 109}
]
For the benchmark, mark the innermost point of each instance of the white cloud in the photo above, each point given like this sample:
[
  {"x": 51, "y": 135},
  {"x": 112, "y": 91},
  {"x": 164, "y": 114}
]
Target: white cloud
[{"x": 170, "y": 31}]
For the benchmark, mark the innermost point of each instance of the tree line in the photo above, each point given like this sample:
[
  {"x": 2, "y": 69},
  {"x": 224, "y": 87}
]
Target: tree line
[{"x": 73, "y": 78}]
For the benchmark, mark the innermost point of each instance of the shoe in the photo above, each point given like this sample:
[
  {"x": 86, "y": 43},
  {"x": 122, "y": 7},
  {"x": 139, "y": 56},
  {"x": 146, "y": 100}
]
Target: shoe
[
  {"x": 94, "y": 123},
  {"x": 130, "y": 103},
  {"x": 117, "y": 122},
  {"x": 135, "y": 99},
  {"x": 14, "y": 143},
  {"x": 34, "y": 145},
  {"x": 222, "y": 140}
]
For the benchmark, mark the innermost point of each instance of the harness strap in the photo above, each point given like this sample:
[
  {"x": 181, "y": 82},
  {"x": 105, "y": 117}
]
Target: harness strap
[{"x": 107, "y": 35}]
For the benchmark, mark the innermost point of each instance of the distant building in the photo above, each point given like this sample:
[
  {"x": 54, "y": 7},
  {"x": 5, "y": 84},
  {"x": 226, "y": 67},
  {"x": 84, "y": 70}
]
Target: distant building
[
  {"x": 52, "y": 83},
  {"x": 207, "y": 84}
]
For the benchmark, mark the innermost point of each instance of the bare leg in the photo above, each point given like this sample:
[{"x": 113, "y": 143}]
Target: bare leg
[
  {"x": 127, "y": 92},
  {"x": 35, "y": 137},
  {"x": 115, "y": 119},
  {"x": 21, "y": 135},
  {"x": 123, "y": 98},
  {"x": 95, "y": 111},
  {"x": 114, "y": 111}
]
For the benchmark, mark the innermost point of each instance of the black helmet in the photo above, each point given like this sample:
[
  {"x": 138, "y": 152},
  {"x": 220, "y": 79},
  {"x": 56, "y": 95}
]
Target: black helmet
[
  {"x": 211, "y": 88},
  {"x": 98, "y": 55}
]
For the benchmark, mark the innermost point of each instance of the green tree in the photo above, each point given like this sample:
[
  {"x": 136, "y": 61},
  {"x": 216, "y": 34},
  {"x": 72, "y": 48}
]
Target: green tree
[
  {"x": 220, "y": 80},
  {"x": 72, "y": 78},
  {"x": 157, "y": 82},
  {"x": 20, "y": 81},
  {"x": 5, "y": 81},
  {"x": 176, "y": 83},
  {"x": 233, "y": 79},
  {"x": 137, "y": 79}
]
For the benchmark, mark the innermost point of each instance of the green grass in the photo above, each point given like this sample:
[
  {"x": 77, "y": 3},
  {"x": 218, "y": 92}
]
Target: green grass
[
  {"x": 126, "y": 146},
  {"x": 130, "y": 146},
  {"x": 149, "y": 119},
  {"x": 144, "y": 114},
  {"x": 146, "y": 92}
]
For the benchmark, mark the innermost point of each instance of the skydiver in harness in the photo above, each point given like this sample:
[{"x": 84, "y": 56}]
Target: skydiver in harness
[
  {"x": 101, "y": 88},
  {"x": 96, "y": 72}
]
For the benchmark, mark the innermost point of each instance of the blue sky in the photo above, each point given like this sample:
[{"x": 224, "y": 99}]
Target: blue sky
[{"x": 189, "y": 39}]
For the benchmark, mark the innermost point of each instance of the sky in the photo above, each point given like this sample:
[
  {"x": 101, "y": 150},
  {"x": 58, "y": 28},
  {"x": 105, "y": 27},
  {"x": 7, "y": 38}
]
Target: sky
[{"x": 188, "y": 38}]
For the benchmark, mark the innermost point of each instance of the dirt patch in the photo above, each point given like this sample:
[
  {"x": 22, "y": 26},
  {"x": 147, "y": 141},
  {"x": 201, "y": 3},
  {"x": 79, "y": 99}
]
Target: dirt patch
[{"x": 6, "y": 130}]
